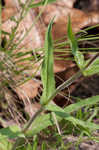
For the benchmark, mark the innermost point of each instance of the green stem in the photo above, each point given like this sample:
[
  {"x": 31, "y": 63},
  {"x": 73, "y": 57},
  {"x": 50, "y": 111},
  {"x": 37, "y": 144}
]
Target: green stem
[
  {"x": 32, "y": 119},
  {"x": 61, "y": 87}
]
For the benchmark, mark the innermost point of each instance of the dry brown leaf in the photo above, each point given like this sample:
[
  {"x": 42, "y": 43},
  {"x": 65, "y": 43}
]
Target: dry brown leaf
[
  {"x": 79, "y": 20},
  {"x": 8, "y": 10},
  {"x": 35, "y": 38},
  {"x": 28, "y": 90}
]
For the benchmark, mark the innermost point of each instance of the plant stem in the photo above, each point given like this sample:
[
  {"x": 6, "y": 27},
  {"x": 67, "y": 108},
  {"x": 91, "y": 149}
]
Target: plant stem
[
  {"x": 32, "y": 119},
  {"x": 61, "y": 87}
]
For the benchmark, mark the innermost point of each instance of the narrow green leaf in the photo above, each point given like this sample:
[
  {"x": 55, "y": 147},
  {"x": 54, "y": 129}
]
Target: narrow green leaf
[
  {"x": 61, "y": 113},
  {"x": 78, "y": 56},
  {"x": 71, "y": 37},
  {"x": 5, "y": 33},
  {"x": 11, "y": 132},
  {"x": 40, "y": 123},
  {"x": 46, "y": 120},
  {"x": 47, "y": 73},
  {"x": 29, "y": 147},
  {"x": 82, "y": 103},
  {"x": 43, "y": 146},
  {"x": 34, "y": 5},
  {"x": 35, "y": 142},
  {"x": 93, "y": 68}
]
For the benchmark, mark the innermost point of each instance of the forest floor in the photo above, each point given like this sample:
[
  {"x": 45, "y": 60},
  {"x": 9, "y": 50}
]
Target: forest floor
[{"x": 82, "y": 88}]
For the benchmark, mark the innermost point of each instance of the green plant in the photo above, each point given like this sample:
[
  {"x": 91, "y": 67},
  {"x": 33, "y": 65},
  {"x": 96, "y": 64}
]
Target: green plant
[{"x": 79, "y": 121}]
